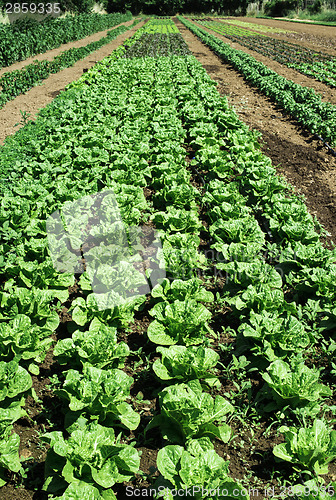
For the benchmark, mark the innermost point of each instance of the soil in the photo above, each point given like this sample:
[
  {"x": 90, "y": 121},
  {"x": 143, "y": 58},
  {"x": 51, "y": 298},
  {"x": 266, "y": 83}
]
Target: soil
[
  {"x": 38, "y": 97},
  {"x": 301, "y": 158}
]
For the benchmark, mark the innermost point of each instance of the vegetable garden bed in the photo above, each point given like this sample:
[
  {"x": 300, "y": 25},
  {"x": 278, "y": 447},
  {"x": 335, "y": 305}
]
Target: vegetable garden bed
[{"x": 192, "y": 374}]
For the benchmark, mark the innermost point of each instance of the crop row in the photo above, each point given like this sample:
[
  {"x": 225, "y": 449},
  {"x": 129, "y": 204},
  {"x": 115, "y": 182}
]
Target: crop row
[
  {"x": 25, "y": 38},
  {"x": 155, "y": 41},
  {"x": 318, "y": 65},
  {"x": 302, "y": 103},
  {"x": 131, "y": 121},
  {"x": 157, "y": 26},
  {"x": 162, "y": 147},
  {"x": 228, "y": 29}
]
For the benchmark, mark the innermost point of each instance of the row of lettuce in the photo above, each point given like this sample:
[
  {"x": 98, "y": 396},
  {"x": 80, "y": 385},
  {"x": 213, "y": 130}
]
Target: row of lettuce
[
  {"x": 316, "y": 64},
  {"x": 302, "y": 103},
  {"x": 128, "y": 119},
  {"x": 26, "y": 38}
]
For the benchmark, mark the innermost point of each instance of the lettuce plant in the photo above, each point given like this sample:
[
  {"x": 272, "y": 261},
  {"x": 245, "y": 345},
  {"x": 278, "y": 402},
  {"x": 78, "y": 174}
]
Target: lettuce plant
[
  {"x": 251, "y": 273},
  {"x": 15, "y": 382},
  {"x": 180, "y": 255},
  {"x": 97, "y": 346},
  {"x": 177, "y": 220},
  {"x": 198, "y": 468},
  {"x": 187, "y": 412},
  {"x": 219, "y": 192},
  {"x": 33, "y": 302},
  {"x": 21, "y": 339},
  {"x": 294, "y": 385},
  {"x": 273, "y": 336},
  {"x": 309, "y": 448},
  {"x": 9, "y": 451},
  {"x": 100, "y": 394},
  {"x": 187, "y": 363},
  {"x": 179, "y": 195},
  {"x": 313, "y": 490},
  {"x": 41, "y": 275},
  {"x": 242, "y": 230},
  {"x": 180, "y": 290},
  {"x": 84, "y": 311},
  {"x": 184, "y": 321},
  {"x": 179, "y": 318},
  {"x": 80, "y": 490},
  {"x": 93, "y": 455},
  {"x": 317, "y": 281},
  {"x": 258, "y": 297}
]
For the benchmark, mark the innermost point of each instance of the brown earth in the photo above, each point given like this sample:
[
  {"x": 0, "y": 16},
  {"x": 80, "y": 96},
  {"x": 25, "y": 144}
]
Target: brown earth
[
  {"x": 38, "y": 97},
  {"x": 303, "y": 160},
  {"x": 327, "y": 94}
]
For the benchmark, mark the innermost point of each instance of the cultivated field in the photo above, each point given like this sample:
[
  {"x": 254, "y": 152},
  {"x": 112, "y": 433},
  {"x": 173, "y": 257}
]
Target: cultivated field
[{"x": 167, "y": 266}]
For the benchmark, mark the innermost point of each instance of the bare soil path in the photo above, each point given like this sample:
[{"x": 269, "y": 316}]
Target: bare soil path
[
  {"x": 297, "y": 155},
  {"x": 38, "y": 97}
]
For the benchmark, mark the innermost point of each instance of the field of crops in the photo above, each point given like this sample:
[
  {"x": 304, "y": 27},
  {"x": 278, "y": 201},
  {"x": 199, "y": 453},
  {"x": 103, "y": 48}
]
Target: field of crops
[
  {"x": 315, "y": 64},
  {"x": 167, "y": 300}
]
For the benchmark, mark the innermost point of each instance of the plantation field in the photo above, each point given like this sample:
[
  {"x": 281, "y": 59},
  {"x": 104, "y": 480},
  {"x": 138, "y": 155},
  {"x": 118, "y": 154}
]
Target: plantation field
[{"x": 167, "y": 270}]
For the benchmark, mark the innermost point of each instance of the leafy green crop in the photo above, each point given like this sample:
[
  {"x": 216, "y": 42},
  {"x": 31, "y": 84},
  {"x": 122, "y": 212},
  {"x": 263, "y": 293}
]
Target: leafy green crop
[
  {"x": 21, "y": 340},
  {"x": 198, "y": 468},
  {"x": 187, "y": 413},
  {"x": 300, "y": 102},
  {"x": 100, "y": 394},
  {"x": 19, "y": 81},
  {"x": 183, "y": 321},
  {"x": 9, "y": 452},
  {"x": 175, "y": 219},
  {"x": 20, "y": 42},
  {"x": 294, "y": 385},
  {"x": 308, "y": 447},
  {"x": 97, "y": 346},
  {"x": 272, "y": 336},
  {"x": 15, "y": 382},
  {"x": 93, "y": 455},
  {"x": 187, "y": 363},
  {"x": 181, "y": 257}
]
